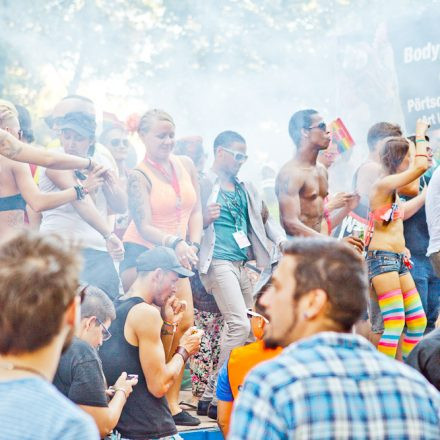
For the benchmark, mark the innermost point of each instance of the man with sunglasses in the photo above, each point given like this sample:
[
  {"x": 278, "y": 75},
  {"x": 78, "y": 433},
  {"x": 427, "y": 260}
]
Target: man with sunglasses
[
  {"x": 241, "y": 361},
  {"x": 237, "y": 228},
  {"x": 302, "y": 184},
  {"x": 79, "y": 375}
]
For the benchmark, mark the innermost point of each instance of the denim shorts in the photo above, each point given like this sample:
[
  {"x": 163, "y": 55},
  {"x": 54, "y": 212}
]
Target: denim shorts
[{"x": 380, "y": 262}]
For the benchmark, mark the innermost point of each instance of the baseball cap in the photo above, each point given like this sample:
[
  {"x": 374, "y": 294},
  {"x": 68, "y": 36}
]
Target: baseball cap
[
  {"x": 161, "y": 257},
  {"x": 82, "y": 123}
]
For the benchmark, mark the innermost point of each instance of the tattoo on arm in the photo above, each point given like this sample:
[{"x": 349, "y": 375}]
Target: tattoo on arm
[
  {"x": 165, "y": 332},
  {"x": 135, "y": 198},
  {"x": 9, "y": 148}
]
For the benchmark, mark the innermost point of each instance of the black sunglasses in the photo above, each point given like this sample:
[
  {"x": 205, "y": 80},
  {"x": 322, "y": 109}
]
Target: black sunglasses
[
  {"x": 106, "y": 335},
  {"x": 322, "y": 126},
  {"x": 81, "y": 292}
]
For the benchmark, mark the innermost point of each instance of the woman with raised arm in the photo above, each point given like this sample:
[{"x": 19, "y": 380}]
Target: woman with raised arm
[
  {"x": 165, "y": 207},
  {"x": 388, "y": 264},
  {"x": 17, "y": 187}
]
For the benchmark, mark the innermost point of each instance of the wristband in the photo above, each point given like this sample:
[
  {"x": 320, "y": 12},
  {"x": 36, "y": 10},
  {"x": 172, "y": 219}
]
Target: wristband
[
  {"x": 420, "y": 140},
  {"x": 183, "y": 352},
  {"x": 176, "y": 242},
  {"x": 122, "y": 389},
  {"x": 81, "y": 192},
  {"x": 89, "y": 166},
  {"x": 170, "y": 324},
  {"x": 421, "y": 155},
  {"x": 106, "y": 237}
]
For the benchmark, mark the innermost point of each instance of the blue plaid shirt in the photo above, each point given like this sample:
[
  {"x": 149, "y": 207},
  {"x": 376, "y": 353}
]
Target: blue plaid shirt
[{"x": 335, "y": 386}]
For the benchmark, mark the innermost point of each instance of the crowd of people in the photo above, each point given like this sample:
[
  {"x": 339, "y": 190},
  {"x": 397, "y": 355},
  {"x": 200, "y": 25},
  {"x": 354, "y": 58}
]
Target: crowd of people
[{"x": 119, "y": 272}]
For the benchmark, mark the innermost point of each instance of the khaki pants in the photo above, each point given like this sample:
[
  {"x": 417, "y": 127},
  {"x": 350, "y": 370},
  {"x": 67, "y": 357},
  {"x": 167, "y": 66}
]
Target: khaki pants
[{"x": 232, "y": 290}]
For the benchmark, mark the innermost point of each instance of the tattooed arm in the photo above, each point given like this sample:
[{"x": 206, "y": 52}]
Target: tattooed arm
[
  {"x": 14, "y": 149},
  {"x": 140, "y": 209}
]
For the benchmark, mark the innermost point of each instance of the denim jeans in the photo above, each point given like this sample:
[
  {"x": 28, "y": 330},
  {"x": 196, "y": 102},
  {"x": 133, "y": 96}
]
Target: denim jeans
[{"x": 428, "y": 285}]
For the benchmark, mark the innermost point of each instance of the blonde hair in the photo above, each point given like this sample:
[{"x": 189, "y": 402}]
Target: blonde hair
[
  {"x": 150, "y": 117},
  {"x": 7, "y": 111}
]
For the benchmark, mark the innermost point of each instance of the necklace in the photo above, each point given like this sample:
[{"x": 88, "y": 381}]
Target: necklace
[{"x": 10, "y": 366}]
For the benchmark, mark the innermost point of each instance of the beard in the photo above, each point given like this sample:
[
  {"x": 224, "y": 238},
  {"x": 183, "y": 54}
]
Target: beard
[
  {"x": 271, "y": 342},
  {"x": 68, "y": 340}
]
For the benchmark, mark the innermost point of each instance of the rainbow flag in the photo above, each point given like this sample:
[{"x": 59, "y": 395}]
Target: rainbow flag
[{"x": 340, "y": 136}]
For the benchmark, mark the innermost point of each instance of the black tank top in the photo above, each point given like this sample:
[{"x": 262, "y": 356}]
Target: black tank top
[{"x": 144, "y": 416}]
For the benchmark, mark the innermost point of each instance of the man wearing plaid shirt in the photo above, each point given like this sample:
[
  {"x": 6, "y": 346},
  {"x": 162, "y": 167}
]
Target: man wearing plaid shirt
[{"x": 328, "y": 383}]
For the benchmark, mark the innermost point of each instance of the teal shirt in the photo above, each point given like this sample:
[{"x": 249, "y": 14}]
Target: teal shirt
[{"x": 233, "y": 217}]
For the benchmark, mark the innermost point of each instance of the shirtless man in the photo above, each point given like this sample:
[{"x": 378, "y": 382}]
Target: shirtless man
[{"x": 302, "y": 183}]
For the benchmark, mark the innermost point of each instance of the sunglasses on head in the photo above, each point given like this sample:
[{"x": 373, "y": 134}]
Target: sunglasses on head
[
  {"x": 251, "y": 314},
  {"x": 81, "y": 292},
  {"x": 117, "y": 142},
  {"x": 238, "y": 157},
  {"x": 322, "y": 126}
]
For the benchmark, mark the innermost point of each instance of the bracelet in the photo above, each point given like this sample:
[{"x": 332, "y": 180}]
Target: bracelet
[
  {"x": 176, "y": 242},
  {"x": 170, "y": 324},
  {"x": 420, "y": 140},
  {"x": 122, "y": 389},
  {"x": 106, "y": 237},
  {"x": 421, "y": 155},
  {"x": 89, "y": 166},
  {"x": 81, "y": 192},
  {"x": 183, "y": 352}
]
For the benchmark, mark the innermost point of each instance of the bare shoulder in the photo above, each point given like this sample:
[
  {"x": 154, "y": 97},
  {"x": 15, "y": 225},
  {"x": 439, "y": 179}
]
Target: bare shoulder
[
  {"x": 144, "y": 319},
  {"x": 289, "y": 178},
  {"x": 369, "y": 168},
  {"x": 322, "y": 170}
]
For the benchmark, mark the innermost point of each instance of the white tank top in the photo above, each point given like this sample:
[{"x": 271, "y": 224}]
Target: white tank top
[{"x": 65, "y": 220}]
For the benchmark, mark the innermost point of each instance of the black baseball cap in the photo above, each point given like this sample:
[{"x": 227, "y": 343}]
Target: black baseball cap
[
  {"x": 82, "y": 123},
  {"x": 161, "y": 257}
]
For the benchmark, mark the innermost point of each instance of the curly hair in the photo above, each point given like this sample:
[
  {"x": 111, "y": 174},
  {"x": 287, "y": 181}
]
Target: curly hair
[{"x": 393, "y": 152}]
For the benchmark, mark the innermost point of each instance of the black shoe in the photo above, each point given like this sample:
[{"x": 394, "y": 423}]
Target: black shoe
[
  {"x": 185, "y": 419},
  {"x": 212, "y": 411},
  {"x": 202, "y": 407}
]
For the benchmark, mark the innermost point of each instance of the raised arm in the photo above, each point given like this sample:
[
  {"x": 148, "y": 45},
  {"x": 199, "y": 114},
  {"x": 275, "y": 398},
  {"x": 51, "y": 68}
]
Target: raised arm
[
  {"x": 89, "y": 213},
  {"x": 395, "y": 181},
  {"x": 287, "y": 188},
  {"x": 36, "y": 199},
  {"x": 14, "y": 149}
]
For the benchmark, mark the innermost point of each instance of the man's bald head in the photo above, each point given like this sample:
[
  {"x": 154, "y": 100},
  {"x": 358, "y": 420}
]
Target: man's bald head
[{"x": 73, "y": 104}]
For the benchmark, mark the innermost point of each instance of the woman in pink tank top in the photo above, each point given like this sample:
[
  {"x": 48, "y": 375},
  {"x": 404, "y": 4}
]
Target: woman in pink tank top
[{"x": 165, "y": 207}]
